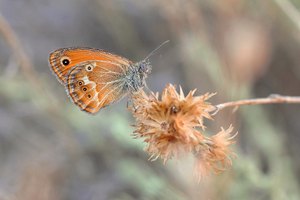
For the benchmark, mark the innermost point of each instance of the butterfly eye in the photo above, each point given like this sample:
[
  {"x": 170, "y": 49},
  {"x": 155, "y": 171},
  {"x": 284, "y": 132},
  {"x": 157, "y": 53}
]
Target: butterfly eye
[
  {"x": 65, "y": 61},
  {"x": 89, "y": 96}
]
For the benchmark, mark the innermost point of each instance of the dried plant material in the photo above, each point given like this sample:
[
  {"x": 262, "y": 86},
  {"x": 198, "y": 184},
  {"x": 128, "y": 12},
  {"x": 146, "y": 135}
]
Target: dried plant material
[
  {"x": 172, "y": 125},
  {"x": 215, "y": 154}
]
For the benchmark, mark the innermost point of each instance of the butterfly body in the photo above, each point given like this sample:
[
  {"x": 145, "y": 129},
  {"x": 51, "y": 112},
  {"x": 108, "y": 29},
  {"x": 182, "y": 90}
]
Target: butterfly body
[{"x": 94, "y": 78}]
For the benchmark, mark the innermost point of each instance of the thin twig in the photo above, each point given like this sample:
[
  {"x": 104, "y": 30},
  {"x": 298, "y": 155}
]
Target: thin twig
[
  {"x": 272, "y": 99},
  {"x": 14, "y": 43},
  {"x": 26, "y": 65},
  {"x": 33, "y": 77}
]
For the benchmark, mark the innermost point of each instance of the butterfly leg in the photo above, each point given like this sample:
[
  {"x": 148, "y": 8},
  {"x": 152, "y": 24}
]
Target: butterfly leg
[{"x": 130, "y": 104}]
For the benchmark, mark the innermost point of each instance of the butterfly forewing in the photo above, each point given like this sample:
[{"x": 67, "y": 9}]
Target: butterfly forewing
[
  {"x": 63, "y": 60},
  {"x": 93, "y": 85}
]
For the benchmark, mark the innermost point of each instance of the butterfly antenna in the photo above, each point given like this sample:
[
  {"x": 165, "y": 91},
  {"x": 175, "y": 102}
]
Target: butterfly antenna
[{"x": 157, "y": 48}]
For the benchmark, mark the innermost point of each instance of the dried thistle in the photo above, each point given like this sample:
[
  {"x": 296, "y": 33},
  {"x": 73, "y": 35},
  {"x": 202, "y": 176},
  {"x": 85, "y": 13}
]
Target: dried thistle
[
  {"x": 215, "y": 153},
  {"x": 172, "y": 126}
]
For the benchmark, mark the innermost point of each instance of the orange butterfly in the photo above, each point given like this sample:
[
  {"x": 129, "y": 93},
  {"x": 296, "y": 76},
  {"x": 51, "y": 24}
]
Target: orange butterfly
[{"x": 95, "y": 78}]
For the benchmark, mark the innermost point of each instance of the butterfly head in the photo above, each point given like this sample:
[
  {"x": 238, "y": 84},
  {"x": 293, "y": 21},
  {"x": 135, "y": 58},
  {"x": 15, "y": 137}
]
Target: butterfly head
[{"x": 144, "y": 68}]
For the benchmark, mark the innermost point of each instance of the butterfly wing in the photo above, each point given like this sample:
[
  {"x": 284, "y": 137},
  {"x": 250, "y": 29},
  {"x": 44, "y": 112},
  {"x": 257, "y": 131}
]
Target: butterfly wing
[
  {"x": 63, "y": 60},
  {"x": 93, "y": 85}
]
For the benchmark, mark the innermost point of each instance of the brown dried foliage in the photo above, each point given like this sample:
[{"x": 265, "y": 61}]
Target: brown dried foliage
[{"x": 172, "y": 125}]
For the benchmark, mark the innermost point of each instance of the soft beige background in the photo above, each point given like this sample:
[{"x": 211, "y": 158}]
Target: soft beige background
[{"x": 49, "y": 149}]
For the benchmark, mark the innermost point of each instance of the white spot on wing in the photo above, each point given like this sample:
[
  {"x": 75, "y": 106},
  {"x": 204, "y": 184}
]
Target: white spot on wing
[{"x": 86, "y": 80}]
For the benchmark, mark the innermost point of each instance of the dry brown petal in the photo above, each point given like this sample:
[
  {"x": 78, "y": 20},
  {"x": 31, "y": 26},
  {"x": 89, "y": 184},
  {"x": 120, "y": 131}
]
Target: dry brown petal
[
  {"x": 215, "y": 153},
  {"x": 169, "y": 125}
]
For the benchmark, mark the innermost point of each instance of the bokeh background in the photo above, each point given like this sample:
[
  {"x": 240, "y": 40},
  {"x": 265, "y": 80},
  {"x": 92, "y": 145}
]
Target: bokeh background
[{"x": 50, "y": 150}]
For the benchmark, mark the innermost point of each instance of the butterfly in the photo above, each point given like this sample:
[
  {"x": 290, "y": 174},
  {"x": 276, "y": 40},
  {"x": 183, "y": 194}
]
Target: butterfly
[{"x": 95, "y": 78}]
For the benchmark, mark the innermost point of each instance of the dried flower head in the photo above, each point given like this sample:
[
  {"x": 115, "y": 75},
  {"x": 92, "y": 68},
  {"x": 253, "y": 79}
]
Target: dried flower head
[
  {"x": 172, "y": 125},
  {"x": 215, "y": 153}
]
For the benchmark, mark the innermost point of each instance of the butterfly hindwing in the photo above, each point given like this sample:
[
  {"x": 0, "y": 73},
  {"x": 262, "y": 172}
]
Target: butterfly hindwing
[{"x": 93, "y": 85}]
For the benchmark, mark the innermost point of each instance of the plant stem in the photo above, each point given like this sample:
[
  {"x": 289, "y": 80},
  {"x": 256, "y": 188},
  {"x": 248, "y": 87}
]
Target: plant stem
[{"x": 272, "y": 99}]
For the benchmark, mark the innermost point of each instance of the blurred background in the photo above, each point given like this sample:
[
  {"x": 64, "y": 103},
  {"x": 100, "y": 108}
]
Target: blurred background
[{"x": 50, "y": 150}]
